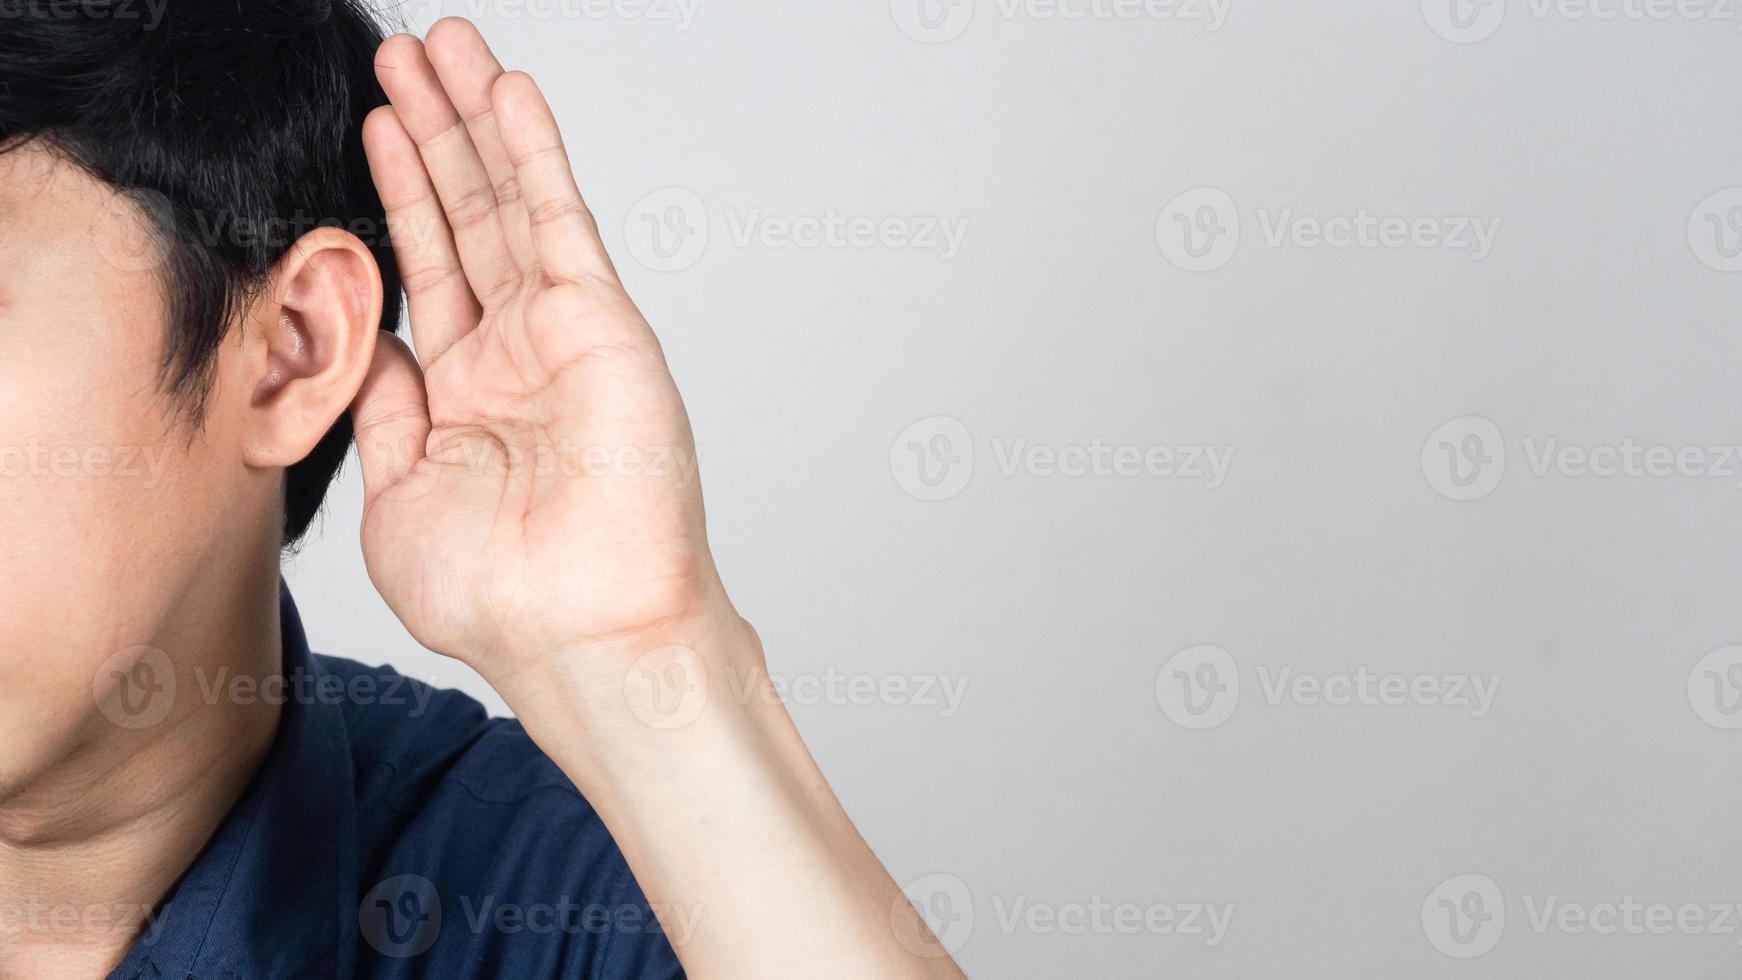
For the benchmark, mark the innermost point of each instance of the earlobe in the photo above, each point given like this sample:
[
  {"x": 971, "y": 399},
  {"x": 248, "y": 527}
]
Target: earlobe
[{"x": 310, "y": 340}]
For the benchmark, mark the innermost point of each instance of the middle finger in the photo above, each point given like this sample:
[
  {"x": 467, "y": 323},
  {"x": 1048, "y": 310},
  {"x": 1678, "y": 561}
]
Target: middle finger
[{"x": 458, "y": 172}]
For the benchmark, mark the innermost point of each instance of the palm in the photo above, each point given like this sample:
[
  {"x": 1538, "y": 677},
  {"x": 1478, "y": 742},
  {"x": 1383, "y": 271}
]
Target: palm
[{"x": 536, "y": 490}]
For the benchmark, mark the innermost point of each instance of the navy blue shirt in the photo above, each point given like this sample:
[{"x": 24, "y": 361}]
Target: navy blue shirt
[{"x": 398, "y": 831}]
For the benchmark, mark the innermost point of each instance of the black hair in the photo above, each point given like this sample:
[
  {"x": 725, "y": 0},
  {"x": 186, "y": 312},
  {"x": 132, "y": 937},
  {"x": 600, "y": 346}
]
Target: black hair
[{"x": 235, "y": 125}]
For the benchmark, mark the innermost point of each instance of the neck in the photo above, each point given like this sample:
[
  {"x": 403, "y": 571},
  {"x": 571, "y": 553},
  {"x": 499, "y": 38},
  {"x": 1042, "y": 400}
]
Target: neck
[{"x": 93, "y": 843}]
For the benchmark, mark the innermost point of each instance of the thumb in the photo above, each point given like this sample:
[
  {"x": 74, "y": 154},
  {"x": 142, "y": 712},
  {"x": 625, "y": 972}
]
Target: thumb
[{"x": 390, "y": 416}]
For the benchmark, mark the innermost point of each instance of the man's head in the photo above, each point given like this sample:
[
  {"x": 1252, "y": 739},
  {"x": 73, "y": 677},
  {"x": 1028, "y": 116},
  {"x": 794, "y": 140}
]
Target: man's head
[
  {"x": 232, "y": 129},
  {"x": 193, "y": 269}
]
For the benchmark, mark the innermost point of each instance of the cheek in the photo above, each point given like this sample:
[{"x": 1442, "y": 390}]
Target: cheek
[
  {"x": 101, "y": 493},
  {"x": 88, "y": 484},
  {"x": 108, "y": 507},
  {"x": 105, "y": 519}
]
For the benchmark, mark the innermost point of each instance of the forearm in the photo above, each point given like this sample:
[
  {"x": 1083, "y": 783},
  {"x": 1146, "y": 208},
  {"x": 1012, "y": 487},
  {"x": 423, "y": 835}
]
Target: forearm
[{"x": 725, "y": 818}]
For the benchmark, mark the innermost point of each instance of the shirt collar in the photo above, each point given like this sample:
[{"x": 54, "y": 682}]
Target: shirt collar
[{"x": 274, "y": 891}]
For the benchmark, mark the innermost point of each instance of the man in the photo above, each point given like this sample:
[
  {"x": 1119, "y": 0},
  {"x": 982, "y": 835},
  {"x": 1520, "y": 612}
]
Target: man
[{"x": 196, "y": 306}]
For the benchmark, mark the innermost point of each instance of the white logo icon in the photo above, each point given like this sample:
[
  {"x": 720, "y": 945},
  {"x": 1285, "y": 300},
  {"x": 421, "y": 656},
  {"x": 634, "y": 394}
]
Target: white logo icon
[
  {"x": 667, "y": 688},
  {"x": 932, "y": 21},
  {"x": 1464, "y": 916},
  {"x": 1465, "y": 458},
  {"x": 401, "y": 917},
  {"x": 1464, "y": 21},
  {"x": 1715, "y": 688},
  {"x": 667, "y": 231},
  {"x": 933, "y": 459},
  {"x": 139, "y": 226},
  {"x": 1199, "y": 229},
  {"x": 946, "y": 905},
  {"x": 1715, "y": 230},
  {"x": 420, "y": 11},
  {"x": 1198, "y": 687},
  {"x": 135, "y": 687}
]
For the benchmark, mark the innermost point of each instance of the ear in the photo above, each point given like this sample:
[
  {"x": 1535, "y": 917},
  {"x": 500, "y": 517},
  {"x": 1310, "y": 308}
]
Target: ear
[{"x": 308, "y": 345}]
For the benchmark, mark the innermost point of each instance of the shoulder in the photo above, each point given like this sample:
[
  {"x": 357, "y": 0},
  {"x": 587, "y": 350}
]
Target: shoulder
[
  {"x": 526, "y": 875},
  {"x": 408, "y": 738}
]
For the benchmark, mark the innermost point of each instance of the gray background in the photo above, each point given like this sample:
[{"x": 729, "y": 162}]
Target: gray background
[{"x": 1606, "y": 768}]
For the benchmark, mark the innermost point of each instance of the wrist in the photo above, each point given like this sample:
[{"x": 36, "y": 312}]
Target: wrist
[
  {"x": 595, "y": 664},
  {"x": 664, "y": 699}
]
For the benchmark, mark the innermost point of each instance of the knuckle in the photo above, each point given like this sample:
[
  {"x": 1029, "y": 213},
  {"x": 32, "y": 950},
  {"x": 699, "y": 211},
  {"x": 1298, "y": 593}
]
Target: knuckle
[
  {"x": 367, "y": 421},
  {"x": 549, "y": 212},
  {"x": 508, "y": 191},
  {"x": 554, "y": 152},
  {"x": 472, "y": 207},
  {"x": 400, "y": 208},
  {"x": 430, "y": 277},
  {"x": 479, "y": 115}
]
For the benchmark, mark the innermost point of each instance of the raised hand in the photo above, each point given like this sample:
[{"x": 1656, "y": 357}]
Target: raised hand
[{"x": 531, "y": 491}]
